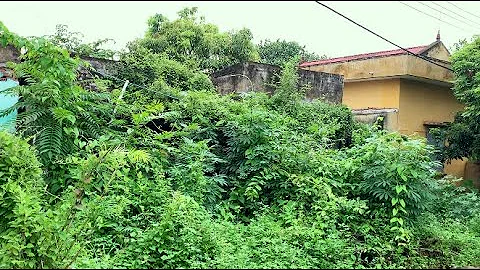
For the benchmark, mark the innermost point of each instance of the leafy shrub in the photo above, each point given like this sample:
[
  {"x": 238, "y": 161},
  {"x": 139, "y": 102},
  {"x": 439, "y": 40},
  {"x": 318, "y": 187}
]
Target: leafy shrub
[
  {"x": 19, "y": 169},
  {"x": 193, "y": 173},
  {"x": 119, "y": 193},
  {"x": 180, "y": 238},
  {"x": 283, "y": 239},
  {"x": 332, "y": 124},
  {"x": 394, "y": 173},
  {"x": 32, "y": 236},
  {"x": 452, "y": 202},
  {"x": 144, "y": 67}
]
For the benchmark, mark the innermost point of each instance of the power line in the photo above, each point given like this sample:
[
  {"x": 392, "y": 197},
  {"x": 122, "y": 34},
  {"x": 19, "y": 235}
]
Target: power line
[
  {"x": 409, "y": 52},
  {"x": 462, "y": 9},
  {"x": 433, "y": 16},
  {"x": 455, "y": 13},
  {"x": 446, "y": 14}
]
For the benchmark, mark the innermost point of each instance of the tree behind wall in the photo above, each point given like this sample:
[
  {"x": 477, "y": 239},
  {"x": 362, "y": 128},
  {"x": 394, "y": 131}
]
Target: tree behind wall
[
  {"x": 462, "y": 137},
  {"x": 73, "y": 42},
  {"x": 196, "y": 43},
  {"x": 280, "y": 52}
]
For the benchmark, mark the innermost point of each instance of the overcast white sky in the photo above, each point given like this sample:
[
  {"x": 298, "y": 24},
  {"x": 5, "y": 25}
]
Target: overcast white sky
[{"x": 306, "y": 22}]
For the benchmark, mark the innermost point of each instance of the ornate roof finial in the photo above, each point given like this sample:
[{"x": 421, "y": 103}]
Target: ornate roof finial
[{"x": 438, "y": 35}]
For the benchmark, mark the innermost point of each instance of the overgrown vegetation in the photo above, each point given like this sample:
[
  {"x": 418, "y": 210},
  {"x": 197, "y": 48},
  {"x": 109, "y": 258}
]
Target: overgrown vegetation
[
  {"x": 279, "y": 52},
  {"x": 175, "y": 176},
  {"x": 195, "y": 43},
  {"x": 73, "y": 42},
  {"x": 461, "y": 139}
]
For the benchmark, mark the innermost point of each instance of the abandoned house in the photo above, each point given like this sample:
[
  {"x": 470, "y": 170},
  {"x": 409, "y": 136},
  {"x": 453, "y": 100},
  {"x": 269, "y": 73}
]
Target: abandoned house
[{"x": 412, "y": 95}]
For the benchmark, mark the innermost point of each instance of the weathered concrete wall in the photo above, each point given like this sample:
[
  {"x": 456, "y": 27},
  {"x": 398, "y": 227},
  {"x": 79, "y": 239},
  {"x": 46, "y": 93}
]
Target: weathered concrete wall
[
  {"x": 8, "y": 54},
  {"x": 251, "y": 76},
  {"x": 85, "y": 76},
  {"x": 367, "y": 68},
  {"x": 439, "y": 51},
  {"x": 103, "y": 66},
  {"x": 370, "y": 116},
  {"x": 424, "y": 69}
]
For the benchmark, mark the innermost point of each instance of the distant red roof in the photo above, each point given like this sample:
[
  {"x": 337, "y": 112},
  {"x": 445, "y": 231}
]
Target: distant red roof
[{"x": 415, "y": 50}]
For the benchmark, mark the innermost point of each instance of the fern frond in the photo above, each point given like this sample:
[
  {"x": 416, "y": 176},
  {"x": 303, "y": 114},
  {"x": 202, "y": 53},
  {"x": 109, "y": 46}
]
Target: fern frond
[
  {"x": 49, "y": 141},
  {"x": 30, "y": 117},
  {"x": 139, "y": 156},
  {"x": 89, "y": 125}
]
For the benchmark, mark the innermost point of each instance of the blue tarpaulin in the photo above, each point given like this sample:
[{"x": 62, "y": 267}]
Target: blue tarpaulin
[{"x": 7, "y": 122}]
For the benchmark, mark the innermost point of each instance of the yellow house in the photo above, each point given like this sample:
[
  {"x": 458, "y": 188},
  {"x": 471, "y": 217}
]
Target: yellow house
[{"x": 413, "y": 94}]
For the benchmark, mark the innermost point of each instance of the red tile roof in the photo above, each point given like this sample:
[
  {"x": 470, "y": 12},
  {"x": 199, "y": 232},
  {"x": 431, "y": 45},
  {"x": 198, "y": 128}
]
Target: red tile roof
[{"x": 415, "y": 50}]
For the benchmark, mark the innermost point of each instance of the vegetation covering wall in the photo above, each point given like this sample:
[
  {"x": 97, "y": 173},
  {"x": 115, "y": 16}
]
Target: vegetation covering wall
[{"x": 173, "y": 175}]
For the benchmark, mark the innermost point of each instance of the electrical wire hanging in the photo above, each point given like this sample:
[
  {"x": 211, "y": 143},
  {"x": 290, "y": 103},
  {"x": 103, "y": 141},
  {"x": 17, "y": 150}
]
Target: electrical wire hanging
[
  {"x": 363, "y": 27},
  {"x": 433, "y": 16},
  {"x": 466, "y": 11},
  {"x": 441, "y": 12},
  {"x": 461, "y": 16}
]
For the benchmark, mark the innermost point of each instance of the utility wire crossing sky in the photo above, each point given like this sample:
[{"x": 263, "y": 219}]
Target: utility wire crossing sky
[{"x": 322, "y": 31}]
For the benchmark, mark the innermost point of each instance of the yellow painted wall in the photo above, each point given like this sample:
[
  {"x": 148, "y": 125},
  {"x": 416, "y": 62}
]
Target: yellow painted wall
[
  {"x": 381, "y": 67},
  {"x": 367, "y": 68},
  {"x": 420, "y": 102},
  {"x": 372, "y": 94},
  {"x": 376, "y": 94},
  {"x": 439, "y": 52},
  {"x": 369, "y": 83},
  {"x": 456, "y": 167}
]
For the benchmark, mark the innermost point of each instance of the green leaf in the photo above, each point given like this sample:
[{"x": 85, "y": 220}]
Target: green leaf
[
  {"x": 394, "y": 201},
  {"x": 402, "y": 202},
  {"x": 400, "y": 220},
  {"x": 394, "y": 228},
  {"x": 71, "y": 118}
]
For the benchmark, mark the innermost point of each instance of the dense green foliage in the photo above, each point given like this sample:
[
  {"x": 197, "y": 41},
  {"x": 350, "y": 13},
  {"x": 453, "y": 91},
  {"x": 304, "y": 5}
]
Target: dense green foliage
[
  {"x": 281, "y": 51},
  {"x": 462, "y": 138},
  {"x": 72, "y": 41},
  {"x": 174, "y": 175},
  {"x": 56, "y": 114},
  {"x": 195, "y": 43},
  {"x": 33, "y": 236}
]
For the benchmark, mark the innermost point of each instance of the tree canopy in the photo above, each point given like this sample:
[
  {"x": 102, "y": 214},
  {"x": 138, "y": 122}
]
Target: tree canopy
[
  {"x": 281, "y": 51},
  {"x": 189, "y": 39},
  {"x": 73, "y": 42},
  {"x": 462, "y": 137}
]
